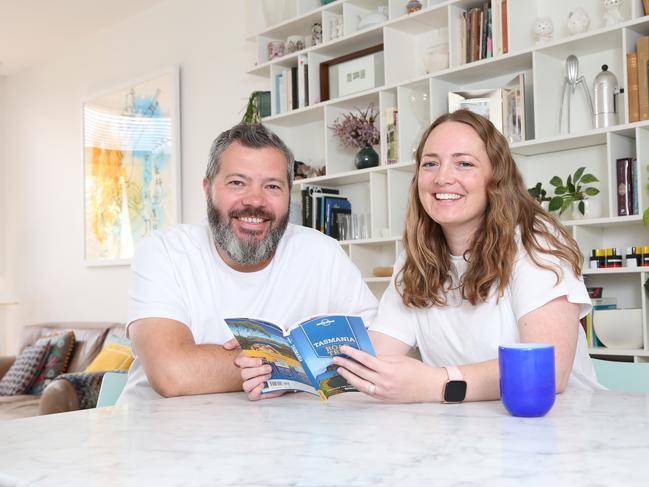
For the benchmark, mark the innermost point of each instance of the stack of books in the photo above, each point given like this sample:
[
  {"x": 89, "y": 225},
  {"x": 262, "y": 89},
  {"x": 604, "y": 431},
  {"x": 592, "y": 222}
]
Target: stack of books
[{"x": 321, "y": 209}]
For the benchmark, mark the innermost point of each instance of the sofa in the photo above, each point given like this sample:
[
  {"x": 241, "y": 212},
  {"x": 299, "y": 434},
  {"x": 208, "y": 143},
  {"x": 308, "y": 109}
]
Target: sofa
[{"x": 59, "y": 395}]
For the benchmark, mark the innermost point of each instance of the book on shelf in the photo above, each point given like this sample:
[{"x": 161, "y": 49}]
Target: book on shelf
[
  {"x": 312, "y": 208},
  {"x": 642, "y": 51},
  {"x": 329, "y": 204},
  {"x": 504, "y": 26},
  {"x": 504, "y": 107},
  {"x": 625, "y": 186},
  {"x": 645, "y": 7},
  {"x": 302, "y": 81},
  {"x": 391, "y": 134},
  {"x": 632, "y": 76},
  {"x": 301, "y": 358}
]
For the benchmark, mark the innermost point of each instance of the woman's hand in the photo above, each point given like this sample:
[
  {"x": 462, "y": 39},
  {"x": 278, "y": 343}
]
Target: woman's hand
[{"x": 394, "y": 378}]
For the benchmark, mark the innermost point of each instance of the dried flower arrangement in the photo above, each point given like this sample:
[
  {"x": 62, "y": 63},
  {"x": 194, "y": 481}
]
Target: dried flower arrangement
[{"x": 357, "y": 130}]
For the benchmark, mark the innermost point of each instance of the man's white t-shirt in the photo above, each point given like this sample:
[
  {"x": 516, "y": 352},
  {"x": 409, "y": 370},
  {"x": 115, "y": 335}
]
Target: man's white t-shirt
[
  {"x": 461, "y": 333},
  {"x": 178, "y": 274}
]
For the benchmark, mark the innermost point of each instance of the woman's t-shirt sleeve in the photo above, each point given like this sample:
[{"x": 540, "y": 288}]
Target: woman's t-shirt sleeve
[
  {"x": 394, "y": 318},
  {"x": 533, "y": 286}
]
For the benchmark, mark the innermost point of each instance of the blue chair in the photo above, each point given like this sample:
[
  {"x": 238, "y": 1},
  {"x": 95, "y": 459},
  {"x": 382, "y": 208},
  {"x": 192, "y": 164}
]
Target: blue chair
[
  {"x": 622, "y": 376},
  {"x": 111, "y": 387}
]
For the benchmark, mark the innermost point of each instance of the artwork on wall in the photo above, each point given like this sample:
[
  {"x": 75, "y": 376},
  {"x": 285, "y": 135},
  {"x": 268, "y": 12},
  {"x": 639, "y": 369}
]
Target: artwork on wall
[{"x": 131, "y": 158}]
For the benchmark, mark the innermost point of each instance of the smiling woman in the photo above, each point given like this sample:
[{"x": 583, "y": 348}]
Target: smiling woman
[{"x": 483, "y": 265}]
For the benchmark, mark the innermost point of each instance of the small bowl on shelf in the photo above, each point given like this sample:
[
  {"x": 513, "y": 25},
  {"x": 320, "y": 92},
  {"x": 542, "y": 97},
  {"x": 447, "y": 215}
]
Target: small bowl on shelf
[{"x": 619, "y": 328}]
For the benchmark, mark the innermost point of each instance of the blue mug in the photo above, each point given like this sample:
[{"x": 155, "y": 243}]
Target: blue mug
[{"x": 527, "y": 378}]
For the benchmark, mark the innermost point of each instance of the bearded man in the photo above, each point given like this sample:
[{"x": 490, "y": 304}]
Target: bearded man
[{"x": 246, "y": 260}]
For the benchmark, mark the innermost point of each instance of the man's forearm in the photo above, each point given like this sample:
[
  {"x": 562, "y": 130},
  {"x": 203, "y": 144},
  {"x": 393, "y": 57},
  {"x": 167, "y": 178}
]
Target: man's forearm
[{"x": 198, "y": 369}]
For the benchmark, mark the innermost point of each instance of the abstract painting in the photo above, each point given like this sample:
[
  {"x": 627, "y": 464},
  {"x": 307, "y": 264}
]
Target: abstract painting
[{"x": 131, "y": 157}]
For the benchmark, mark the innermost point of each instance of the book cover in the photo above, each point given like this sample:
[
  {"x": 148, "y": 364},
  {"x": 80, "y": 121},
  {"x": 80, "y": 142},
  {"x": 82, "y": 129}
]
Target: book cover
[
  {"x": 391, "y": 135},
  {"x": 513, "y": 98},
  {"x": 623, "y": 185},
  {"x": 301, "y": 358},
  {"x": 487, "y": 103},
  {"x": 330, "y": 203},
  {"x": 634, "y": 94},
  {"x": 309, "y": 195}
]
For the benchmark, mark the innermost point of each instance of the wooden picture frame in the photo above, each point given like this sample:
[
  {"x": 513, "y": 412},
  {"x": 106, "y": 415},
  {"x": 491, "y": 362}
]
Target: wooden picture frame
[{"x": 324, "y": 67}]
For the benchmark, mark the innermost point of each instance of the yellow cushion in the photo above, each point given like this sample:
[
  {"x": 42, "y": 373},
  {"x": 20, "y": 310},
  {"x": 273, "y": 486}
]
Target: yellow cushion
[{"x": 114, "y": 356}]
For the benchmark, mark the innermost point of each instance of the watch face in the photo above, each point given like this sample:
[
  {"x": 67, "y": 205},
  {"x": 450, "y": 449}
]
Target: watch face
[{"x": 455, "y": 391}]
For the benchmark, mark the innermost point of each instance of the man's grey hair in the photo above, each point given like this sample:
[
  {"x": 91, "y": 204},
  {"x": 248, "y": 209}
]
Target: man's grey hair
[{"x": 255, "y": 136}]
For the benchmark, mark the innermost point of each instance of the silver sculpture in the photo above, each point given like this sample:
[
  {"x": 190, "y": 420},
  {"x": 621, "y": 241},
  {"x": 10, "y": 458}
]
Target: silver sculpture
[{"x": 572, "y": 79}]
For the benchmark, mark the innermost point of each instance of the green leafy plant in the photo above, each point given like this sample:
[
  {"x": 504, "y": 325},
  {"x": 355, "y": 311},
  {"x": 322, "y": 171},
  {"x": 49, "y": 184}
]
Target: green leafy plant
[
  {"x": 254, "y": 111},
  {"x": 538, "y": 193},
  {"x": 572, "y": 191}
]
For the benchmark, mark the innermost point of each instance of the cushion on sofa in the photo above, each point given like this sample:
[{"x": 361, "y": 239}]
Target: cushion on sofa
[
  {"x": 115, "y": 355},
  {"x": 56, "y": 361},
  {"x": 24, "y": 370}
]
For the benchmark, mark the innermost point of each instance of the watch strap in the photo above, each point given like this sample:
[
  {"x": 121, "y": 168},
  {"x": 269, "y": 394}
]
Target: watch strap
[{"x": 453, "y": 373}]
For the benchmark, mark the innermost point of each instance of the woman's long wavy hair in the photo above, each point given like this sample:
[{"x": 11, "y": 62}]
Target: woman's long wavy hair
[{"x": 428, "y": 272}]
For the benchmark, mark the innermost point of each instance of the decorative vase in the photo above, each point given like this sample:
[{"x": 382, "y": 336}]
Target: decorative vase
[
  {"x": 366, "y": 157},
  {"x": 592, "y": 209}
]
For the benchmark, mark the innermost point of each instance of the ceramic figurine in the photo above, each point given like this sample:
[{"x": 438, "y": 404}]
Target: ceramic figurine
[
  {"x": 612, "y": 12},
  {"x": 413, "y": 6},
  {"x": 578, "y": 21},
  {"x": 543, "y": 29},
  {"x": 316, "y": 34},
  {"x": 294, "y": 44}
]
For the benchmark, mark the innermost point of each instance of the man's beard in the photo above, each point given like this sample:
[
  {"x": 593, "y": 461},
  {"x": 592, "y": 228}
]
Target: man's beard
[{"x": 245, "y": 251}]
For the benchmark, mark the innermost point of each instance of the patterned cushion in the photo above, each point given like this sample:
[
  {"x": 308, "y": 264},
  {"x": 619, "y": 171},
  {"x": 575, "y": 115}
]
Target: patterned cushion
[
  {"x": 87, "y": 385},
  {"x": 116, "y": 355},
  {"x": 56, "y": 362},
  {"x": 23, "y": 371}
]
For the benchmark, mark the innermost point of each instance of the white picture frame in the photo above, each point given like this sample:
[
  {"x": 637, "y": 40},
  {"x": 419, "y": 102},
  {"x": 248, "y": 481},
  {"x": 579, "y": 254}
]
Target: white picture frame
[{"x": 131, "y": 165}]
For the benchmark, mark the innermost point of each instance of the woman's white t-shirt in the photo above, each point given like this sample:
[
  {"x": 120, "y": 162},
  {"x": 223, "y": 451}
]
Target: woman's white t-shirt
[{"x": 461, "y": 333}]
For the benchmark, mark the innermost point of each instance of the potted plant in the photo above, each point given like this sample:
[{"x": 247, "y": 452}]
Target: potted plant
[
  {"x": 358, "y": 131},
  {"x": 258, "y": 106},
  {"x": 539, "y": 194},
  {"x": 574, "y": 190}
]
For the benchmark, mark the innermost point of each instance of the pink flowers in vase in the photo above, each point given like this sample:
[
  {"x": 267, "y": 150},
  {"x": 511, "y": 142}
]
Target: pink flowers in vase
[{"x": 357, "y": 130}]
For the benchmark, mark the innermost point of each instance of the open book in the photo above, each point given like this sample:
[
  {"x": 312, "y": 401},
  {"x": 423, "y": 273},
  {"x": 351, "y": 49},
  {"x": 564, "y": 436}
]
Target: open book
[{"x": 301, "y": 358}]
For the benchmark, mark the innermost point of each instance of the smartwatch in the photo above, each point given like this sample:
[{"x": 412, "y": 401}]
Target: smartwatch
[{"x": 455, "y": 387}]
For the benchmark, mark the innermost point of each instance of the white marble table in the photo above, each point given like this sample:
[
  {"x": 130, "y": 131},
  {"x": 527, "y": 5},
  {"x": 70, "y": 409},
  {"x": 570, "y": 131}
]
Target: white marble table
[{"x": 223, "y": 439}]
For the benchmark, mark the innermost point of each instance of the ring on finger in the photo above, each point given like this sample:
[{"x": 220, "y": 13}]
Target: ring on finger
[{"x": 371, "y": 389}]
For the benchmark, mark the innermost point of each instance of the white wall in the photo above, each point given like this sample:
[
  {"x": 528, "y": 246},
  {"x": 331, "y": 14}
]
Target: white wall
[{"x": 42, "y": 147}]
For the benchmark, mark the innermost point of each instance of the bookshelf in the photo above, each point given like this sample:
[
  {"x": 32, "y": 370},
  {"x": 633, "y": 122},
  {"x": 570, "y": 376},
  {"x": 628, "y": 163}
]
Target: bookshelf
[{"x": 380, "y": 192}]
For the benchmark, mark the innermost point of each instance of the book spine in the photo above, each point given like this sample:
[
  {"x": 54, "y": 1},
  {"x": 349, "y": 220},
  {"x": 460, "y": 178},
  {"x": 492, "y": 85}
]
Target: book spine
[
  {"x": 642, "y": 50},
  {"x": 504, "y": 26},
  {"x": 623, "y": 178},
  {"x": 634, "y": 94},
  {"x": 635, "y": 168},
  {"x": 645, "y": 6},
  {"x": 295, "y": 102},
  {"x": 475, "y": 34},
  {"x": 306, "y": 85}
]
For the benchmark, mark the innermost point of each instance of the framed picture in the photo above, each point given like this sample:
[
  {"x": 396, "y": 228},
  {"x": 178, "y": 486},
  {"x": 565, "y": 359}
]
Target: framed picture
[
  {"x": 330, "y": 75},
  {"x": 131, "y": 165}
]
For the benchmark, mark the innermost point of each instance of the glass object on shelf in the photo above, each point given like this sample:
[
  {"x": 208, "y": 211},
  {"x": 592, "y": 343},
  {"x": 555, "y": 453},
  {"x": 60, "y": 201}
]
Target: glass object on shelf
[
  {"x": 373, "y": 18},
  {"x": 413, "y": 6},
  {"x": 275, "y": 49},
  {"x": 294, "y": 43},
  {"x": 359, "y": 226},
  {"x": 543, "y": 29},
  {"x": 366, "y": 157},
  {"x": 419, "y": 107},
  {"x": 336, "y": 27},
  {"x": 344, "y": 223},
  {"x": 436, "y": 58},
  {"x": 592, "y": 208}
]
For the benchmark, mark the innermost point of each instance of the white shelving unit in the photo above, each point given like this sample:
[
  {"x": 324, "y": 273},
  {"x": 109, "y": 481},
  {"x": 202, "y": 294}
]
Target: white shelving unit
[{"x": 381, "y": 192}]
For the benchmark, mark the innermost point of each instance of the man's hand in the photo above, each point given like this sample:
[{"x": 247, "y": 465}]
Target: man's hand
[{"x": 255, "y": 372}]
